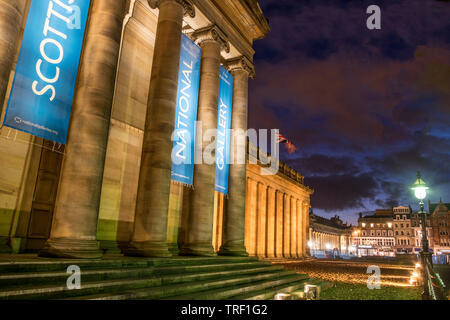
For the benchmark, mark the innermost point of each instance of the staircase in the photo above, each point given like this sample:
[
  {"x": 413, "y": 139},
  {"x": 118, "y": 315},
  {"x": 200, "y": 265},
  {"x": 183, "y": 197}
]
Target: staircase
[{"x": 120, "y": 278}]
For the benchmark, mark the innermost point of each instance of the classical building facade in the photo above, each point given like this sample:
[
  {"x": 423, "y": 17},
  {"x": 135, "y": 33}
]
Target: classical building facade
[
  {"x": 328, "y": 236},
  {"x": 111, "y": 183}
]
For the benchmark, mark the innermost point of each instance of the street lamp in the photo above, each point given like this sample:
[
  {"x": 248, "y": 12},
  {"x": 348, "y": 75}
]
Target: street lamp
[{"x": 420, "y": 191}]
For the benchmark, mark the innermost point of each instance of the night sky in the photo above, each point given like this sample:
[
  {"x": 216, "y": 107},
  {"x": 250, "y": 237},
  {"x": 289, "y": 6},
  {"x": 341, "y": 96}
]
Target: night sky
[{"x": 366, "y": 109}]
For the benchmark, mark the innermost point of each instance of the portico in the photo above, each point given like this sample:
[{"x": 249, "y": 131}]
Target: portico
[{"x": 110, "y": 188}]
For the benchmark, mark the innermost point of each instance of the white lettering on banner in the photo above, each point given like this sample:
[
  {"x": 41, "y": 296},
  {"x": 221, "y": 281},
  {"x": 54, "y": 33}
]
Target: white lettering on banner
[
  {"x": 182, "y": 133},
  {"x": 221, "y": 134},
  {"x": 48, "y": 42}
]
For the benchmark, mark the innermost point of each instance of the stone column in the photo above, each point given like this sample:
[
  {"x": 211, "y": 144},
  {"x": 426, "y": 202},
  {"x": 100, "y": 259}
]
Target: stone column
[
  {"x": 74, "y": 228},
  {"x": 279, "y": 224},
  {"x": 299, "y": 228},
  {"x": 233, "y": 232},
  {"x": 199, "y": 237},
  {"x": 152, "y": 203},
  {"x": 250, "y": 216},
  {"x": 305, "y": 227},
  {"x": 11, "y": 13},
  {"x": 261, "y": 223},
  {"x": 287, "y": 227},
  {"x": 294, "y": 229},
  {"x": 271, "y": 226}
]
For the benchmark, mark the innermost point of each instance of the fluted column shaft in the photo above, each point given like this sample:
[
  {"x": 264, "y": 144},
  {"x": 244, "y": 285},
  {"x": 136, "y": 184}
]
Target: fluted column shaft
[
  {"x": 11, "y": 13},
  {"x": 305, "y": 227},
  {"x": 234, "y": 218},
  {"x": 152, "y": 204},
  {"x": 74, "y": 229},
  {"x": 199, "y": 235}
]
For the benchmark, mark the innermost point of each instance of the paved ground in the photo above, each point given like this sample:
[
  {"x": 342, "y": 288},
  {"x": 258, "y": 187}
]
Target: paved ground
[{"x": 351, "y": 271}]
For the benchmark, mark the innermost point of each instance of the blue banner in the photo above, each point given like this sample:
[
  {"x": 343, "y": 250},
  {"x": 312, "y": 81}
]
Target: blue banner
[
  {"x": 223, "y": 130},
  {"x": 44, "y": 82},
  {"x": 186, "y": 113}
]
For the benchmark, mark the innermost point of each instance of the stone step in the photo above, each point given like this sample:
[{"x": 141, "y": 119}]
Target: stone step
[
  {"x": 269, "y": 293},
  {"x": 44, "y": 264},
  {"x": 191, "y": 288},
  {"x": 13, "y": 279},
  {"x": 90, "y": 288},
  {"x": 232, "y": 291}
]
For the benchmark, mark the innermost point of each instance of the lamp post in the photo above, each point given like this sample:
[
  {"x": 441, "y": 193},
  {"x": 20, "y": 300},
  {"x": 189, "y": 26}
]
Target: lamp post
[{"x": 420, "y": 192}]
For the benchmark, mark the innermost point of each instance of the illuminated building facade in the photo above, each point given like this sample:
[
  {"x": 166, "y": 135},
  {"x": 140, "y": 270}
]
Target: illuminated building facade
[
  {"x": 440, "y": 222},
  {"x": 109, "y": 188},
  {"x": 403, "y": 230},
  {"x": 375, "y": 235}
]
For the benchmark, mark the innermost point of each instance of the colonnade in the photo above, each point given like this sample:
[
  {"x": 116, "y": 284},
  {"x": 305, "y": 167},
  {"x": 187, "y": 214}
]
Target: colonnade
[
  {"x": 74, "y": 227},
  {"x": 276, "y": 221},
  {"x": 320, "y": 240}
]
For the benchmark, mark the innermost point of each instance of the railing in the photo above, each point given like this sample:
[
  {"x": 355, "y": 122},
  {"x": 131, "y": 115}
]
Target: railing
[{"x": 436, "y": 286}]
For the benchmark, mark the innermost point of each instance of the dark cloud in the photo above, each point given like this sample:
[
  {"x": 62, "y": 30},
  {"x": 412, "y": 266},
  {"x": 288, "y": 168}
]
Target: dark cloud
[
  {"x": 339, "y": 192},
  {"x": 319, "y": 165},
  {"x": 366, "y": 109},
  {"x": 393, "y": 46}
]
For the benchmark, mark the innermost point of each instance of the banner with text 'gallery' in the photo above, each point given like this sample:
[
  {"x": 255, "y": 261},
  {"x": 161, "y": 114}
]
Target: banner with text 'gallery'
[
  {"x": 186, "y": 113},
  {"x": 223, "y": 130},
  {"x": 44, "y": 82}
]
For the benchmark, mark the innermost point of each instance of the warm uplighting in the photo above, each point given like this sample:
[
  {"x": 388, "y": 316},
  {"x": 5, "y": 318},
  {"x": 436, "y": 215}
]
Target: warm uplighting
[
  {"x": 310, "y": 244},
  {"x": 328, "y": 246},
  {"x": 363, "y": 224},
  {"x": 418, "y": 265},
  {"x": 389, "y": 225},
  {"x": 415, "y": 274},
  {"x": 371, "y": 225}
]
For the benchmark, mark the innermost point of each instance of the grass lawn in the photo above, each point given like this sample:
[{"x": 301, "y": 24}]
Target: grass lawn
[{"x": 347, "y": 291}]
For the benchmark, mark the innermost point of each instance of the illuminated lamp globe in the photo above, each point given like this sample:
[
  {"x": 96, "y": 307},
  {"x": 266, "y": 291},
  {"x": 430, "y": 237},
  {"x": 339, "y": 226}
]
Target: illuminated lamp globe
[{"x": 420, "y": 188}]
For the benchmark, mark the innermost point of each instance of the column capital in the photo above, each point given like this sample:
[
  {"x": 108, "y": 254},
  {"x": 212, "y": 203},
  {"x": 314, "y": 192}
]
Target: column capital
[
  {"x": 187, "y": 5},
  {"x": 212, "y": 33},
  {"x": 241, "y": 63}
]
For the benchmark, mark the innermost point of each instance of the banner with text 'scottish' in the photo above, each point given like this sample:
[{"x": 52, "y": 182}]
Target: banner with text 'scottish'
[
  {"x": 186, "y": 112},
  {"x": 42, "y": 92}
]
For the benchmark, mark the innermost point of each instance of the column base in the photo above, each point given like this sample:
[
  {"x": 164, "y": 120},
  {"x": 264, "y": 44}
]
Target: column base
[
  {"x": 71, "y": 249},
  {"x": 4, "y": 245},
  {"x": 112, "y": 246},
  {"x": 233, "y": 248},
  {"x": 173, "y": 248},
  {"x": 198, "y": 249},
  {"x": 147, "y": 249}
]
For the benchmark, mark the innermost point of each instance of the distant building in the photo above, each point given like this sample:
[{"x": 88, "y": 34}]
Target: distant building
[
  {"x": 328, "y": 236},
  {"x": 440, "y": 222},
  {"x": 374, "y": 235},
  {"x": 416, "y": 224},
  {"x": 403, "y": 230}
]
